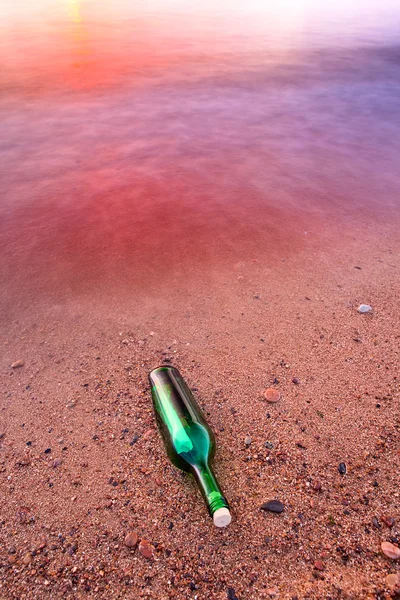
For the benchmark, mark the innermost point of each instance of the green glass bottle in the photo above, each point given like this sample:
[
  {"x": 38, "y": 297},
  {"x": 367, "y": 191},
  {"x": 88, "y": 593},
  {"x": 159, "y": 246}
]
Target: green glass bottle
[{"x": 189, "y": 442}]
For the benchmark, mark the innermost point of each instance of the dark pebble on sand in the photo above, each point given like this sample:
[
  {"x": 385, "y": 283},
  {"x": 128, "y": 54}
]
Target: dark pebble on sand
[
  {"x": 230, "y": 592},
  {"x": 72, "y": 549},
  {"x": 296, "y": 380},
  {"x": 274, "y": 506},
  {"x": 389, "y": 521},
  {"x": 269, "y": 445},
  {"x": 47, "y": 451},
  {"x": 342, "y": 468},
  {"x": 376, "y": 523}
]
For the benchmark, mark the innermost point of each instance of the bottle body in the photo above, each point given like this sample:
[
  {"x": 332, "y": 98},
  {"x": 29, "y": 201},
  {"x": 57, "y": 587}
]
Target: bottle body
[{"x": 189, "y": 441}]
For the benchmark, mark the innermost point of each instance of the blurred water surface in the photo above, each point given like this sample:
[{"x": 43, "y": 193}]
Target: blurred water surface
[{"x": 187, "y": 133}]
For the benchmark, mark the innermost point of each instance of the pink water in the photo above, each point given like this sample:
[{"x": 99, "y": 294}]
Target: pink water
[{"x": 148, "y": 144}]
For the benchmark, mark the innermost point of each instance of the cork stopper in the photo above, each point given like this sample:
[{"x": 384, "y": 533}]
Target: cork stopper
[{"x": 222, "y": 517}]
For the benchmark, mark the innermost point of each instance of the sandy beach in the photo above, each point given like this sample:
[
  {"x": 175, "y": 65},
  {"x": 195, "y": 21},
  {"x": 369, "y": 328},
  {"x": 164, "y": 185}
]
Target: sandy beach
[{"x": 227, "y": 219}]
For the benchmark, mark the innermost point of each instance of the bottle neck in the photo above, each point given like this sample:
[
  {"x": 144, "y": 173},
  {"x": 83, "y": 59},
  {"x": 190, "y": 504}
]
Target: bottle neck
[{"x": 209, "y": 487}]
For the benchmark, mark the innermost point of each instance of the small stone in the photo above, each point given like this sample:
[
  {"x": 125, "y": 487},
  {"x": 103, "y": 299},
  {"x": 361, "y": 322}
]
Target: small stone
[
  {"x": 269, "y": 445},
  {"x": 342, "y": 468},
  {"x": 231, "y": 594},
  {"x": 392, "y": 580},
  {"x": 389, "y": 521},
  {"x": 27, "y": 558},
  {"x": 56, "y": 463},
  {"x": 319, "y": 565},
  {"x": 146, "y": 549},
  {"x": 364, "y": 308},
  {"x": 131, "y": 539},
  {"x": 247, "y": 440},
  {"x": 274, "y": 506},
  {"x": 73, "y": 548},
  {"x": 47, "y": 451},
  {"x": 12, "y": 559},
  {"x": 390, "y": 550},
  {"x": 317, "y": 486},
  {"x": 17, "y": 364},
  {"x": 272, "y": 395},
  {"x": 296, "y": 380},
  {"x": 375, "y": 523}
]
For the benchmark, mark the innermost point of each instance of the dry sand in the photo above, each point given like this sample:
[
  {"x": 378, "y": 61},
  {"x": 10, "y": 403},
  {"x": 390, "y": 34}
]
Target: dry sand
[{"x": 74, "y": 481}]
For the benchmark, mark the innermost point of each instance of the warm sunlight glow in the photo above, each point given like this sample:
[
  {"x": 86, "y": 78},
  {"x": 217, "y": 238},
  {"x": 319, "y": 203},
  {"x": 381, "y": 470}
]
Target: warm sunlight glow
[{"x": 75, "y": 11}]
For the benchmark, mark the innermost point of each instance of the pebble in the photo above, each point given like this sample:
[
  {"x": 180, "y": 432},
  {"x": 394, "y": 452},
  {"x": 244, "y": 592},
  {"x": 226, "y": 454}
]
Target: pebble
[
  {"x": 73, "y": 548},
  {"x": 27, "y": 558},
  {"x": 272, "y": 395},
  {"x": 317, "y": 486},
  {"x": 342, "y": 468},
  {"x": 390, "y": 550},
  {"x": 389, "y": 521},
  {"x": 146, "y": 549},
  {"x": 319, "y": 565},
  {"x": 375, "y": 523},
  {"x": 269, "y": 445},
  {"x": 56, "y": 463},
  {"x": 364, "y": 308},
  {"x": 131, "y": 539},
  {"x": 247, "y": 440},
  {"x": 231, "y": 594},
  {"x": 392, "y": 580},
  {"x": 296, "y": 380},
  {"x": 17, "y": 363},
  {"x": 274, "y": 506}
]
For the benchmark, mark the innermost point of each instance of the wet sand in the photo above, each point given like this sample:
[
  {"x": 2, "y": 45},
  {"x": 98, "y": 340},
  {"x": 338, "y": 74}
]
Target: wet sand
[{"x": 201, "y": 206}]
